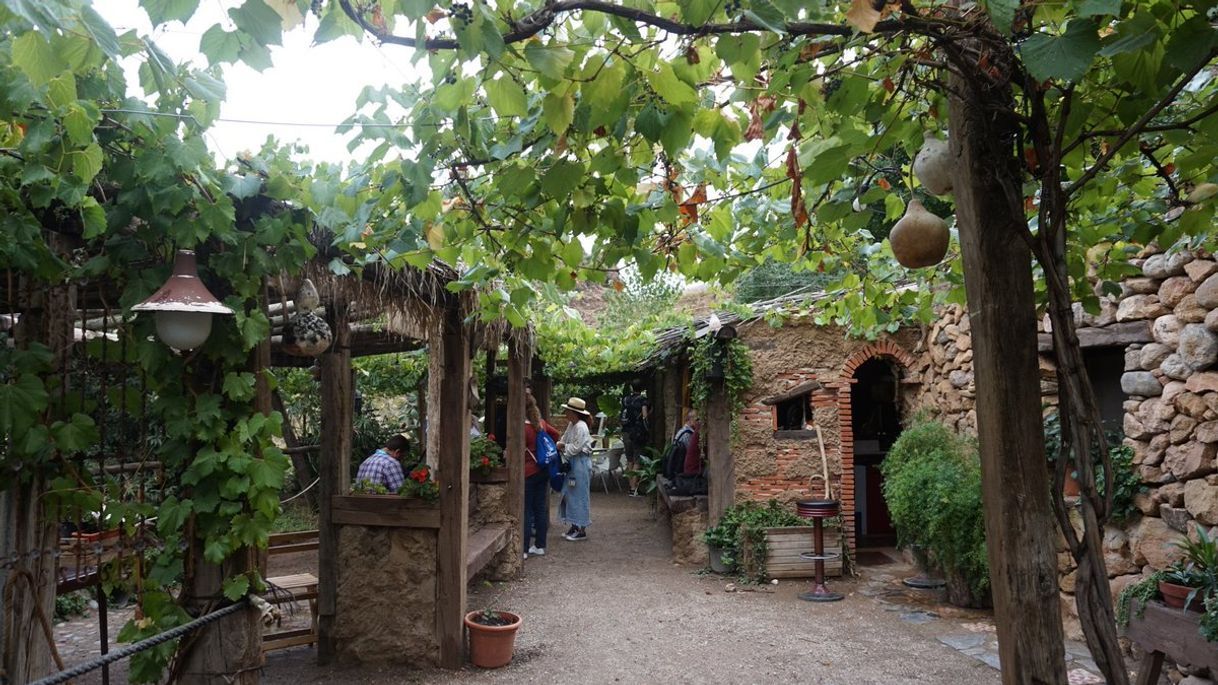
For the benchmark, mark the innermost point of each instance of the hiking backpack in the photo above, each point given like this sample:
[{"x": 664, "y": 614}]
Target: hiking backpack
[
  {"x": 633, "y": 422},
  {"x": 674, "y": 461},
  {"x": 545, "y": 451}
]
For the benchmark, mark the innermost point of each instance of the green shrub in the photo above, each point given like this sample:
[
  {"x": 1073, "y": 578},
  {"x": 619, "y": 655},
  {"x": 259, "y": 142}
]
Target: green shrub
[
  {"x": 71, "y": 604},
  {"x": 932, "y": 484},
  {"x": 1128, "y": 482}
]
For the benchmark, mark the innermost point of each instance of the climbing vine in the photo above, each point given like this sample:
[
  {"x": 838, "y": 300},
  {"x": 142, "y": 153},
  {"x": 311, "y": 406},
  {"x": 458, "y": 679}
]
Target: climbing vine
[{"x": 708, "y": 358}]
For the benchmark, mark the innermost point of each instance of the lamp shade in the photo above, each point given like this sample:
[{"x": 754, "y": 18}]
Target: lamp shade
[{"x": 183, "y": 306}]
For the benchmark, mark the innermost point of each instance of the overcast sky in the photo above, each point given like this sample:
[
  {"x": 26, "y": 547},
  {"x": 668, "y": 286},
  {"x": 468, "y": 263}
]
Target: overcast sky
[{"x": 308, "y": 84}]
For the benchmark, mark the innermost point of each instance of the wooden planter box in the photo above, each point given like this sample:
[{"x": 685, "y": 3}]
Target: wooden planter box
[
  {"x": 497, "y": 475},
  {"x": 783, "y": 547},
  {"x": 391, "y": 511}
]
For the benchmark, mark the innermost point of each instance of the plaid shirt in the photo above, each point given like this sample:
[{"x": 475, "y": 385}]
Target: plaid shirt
[{"x": 383, "y": 469}]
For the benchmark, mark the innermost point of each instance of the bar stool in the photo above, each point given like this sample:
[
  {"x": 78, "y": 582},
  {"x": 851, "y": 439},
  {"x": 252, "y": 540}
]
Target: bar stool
[{"x": 818, "y": 510}]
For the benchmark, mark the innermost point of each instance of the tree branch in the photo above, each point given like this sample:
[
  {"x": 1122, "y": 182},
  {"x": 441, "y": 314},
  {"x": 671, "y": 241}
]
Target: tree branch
[
  {"x": 1138, "y": 126},
  {"x": 1183, "y": 124},
  {"x": 537, "y": 21}
]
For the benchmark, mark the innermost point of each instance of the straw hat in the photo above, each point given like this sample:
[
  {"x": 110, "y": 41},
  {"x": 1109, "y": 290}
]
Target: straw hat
[{"x": 577, "y": 405}]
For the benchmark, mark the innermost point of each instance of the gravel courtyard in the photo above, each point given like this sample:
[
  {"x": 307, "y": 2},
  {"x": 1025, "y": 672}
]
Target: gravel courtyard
[{"x": 614, "y": 609}]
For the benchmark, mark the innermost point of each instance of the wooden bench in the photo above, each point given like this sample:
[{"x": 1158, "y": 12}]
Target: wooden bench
[
  {"x": 675, "y": 504},
  {"x": 484, "y": 544},
  {"x": 299, "y": 587}
]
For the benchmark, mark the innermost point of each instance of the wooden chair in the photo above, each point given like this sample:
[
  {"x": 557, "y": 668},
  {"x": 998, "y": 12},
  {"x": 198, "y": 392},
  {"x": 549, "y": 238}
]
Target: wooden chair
[{"x": 299, "y": 587}]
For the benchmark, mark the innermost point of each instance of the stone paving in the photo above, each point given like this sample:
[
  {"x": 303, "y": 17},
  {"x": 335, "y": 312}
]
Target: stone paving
[{"x": 977, "y": 638}]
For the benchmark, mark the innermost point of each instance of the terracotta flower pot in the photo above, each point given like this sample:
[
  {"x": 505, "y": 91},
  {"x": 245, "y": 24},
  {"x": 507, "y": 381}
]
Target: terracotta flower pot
[
  {"x": 492, "y": 646},
  {"x": 1175, "y": 596}
]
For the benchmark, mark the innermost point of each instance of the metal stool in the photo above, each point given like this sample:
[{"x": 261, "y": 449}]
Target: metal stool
[{"x": 818, "y": 510}]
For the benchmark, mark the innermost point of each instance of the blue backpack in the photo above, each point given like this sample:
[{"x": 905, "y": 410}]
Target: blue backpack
[{"x": 545, "y": 451}]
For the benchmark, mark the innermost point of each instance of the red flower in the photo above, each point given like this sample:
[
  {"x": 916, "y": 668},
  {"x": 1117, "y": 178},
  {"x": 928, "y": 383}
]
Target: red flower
[
  {"x": 486, "y": 461},
  {"x": 490, "y": 436}
]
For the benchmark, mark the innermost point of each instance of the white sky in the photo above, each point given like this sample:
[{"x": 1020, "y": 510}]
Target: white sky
[{"x": 309, "y": 84}]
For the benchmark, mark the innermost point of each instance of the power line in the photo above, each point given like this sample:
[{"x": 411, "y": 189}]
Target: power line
[{"x": 259, "y": 122}]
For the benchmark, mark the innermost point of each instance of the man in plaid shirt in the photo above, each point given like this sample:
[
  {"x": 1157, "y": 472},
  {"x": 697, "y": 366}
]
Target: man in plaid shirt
[{"x": 384, "y": 466}]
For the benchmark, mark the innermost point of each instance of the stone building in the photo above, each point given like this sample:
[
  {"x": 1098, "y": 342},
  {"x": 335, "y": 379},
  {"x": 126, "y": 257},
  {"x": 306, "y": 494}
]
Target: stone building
[{"x": 1150, "y": 353}]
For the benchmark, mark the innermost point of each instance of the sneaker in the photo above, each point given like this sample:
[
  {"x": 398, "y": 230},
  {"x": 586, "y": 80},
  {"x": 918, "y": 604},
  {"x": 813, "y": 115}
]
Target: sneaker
[
  {"x": 576, "y": 536},
  {"x": 537, "y": 551},
  {"x": 571, "y": 531}
]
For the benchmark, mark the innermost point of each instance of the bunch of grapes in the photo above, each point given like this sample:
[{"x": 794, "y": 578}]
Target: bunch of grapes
[
  {"x": 831, "y": 86},
  {"x": 451, "y": 78},
  {"x": 732, "y": 8},
  {"x": 461, "y": 12},
  {"x": 316, "y": 6}
]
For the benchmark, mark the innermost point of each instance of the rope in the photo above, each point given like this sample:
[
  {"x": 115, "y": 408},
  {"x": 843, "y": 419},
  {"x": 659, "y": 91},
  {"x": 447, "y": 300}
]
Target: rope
[
  {"x": 124, "y": 652},
  {"x": 315, "y": 482}
]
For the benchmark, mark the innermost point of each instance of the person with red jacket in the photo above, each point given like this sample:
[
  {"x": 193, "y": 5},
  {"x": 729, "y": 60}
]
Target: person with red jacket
[{"x": 536, "y": 481}]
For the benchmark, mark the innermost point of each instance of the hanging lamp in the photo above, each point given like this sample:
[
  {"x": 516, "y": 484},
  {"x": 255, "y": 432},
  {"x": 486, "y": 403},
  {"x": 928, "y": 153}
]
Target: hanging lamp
[{"x": 183, "y": 306}]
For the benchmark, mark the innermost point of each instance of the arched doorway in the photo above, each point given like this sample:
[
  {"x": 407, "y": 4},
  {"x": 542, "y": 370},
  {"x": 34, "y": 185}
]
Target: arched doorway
[{"x": 875, "y": 424}]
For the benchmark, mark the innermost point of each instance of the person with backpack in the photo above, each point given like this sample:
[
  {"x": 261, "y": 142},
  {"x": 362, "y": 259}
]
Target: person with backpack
[
  {"x": 539, "y": 453},
  {"x": 575, "y": 506},
  {"x": 683, "y": 444},
  {"x": 636, "y": 431}
]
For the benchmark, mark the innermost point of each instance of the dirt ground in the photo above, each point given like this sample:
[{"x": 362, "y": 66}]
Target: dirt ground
[{"x": 615, "y": 609}]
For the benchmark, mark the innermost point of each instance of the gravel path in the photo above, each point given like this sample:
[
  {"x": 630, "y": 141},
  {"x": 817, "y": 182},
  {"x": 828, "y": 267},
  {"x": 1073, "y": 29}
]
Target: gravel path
[{"x": 615, "y": 609}]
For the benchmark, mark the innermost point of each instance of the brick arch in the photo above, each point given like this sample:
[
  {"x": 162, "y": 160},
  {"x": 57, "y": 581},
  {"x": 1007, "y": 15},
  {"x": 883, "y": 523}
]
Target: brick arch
[{"x": 881, "y": 349}]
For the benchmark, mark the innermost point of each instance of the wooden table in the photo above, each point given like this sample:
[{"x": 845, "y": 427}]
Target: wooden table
[{"x": 1162, "y": 631}]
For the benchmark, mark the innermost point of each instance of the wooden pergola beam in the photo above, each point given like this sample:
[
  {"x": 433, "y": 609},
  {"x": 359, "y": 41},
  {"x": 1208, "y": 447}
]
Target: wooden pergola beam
[{"x": 801, "y": 389}]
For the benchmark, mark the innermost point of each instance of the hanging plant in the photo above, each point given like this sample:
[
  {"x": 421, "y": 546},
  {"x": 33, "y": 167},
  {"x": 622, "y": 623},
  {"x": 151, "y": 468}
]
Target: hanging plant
[{"x": 711, "y": 359}]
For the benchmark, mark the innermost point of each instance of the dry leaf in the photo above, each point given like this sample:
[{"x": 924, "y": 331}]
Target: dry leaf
[
  {"x": 435, "y": 15},
  {"x": 865, "y": 14}
]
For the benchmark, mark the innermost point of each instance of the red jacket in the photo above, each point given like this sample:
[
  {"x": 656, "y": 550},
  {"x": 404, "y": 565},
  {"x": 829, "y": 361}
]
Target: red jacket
[
  {"x": 693, "y": 456},
  {"x": 530, "y": 441}
]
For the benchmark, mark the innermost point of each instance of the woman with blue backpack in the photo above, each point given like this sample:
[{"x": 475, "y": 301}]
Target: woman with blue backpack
[
  {"x": 540, "y": 451},
  {"x": 575, "y": 507}
]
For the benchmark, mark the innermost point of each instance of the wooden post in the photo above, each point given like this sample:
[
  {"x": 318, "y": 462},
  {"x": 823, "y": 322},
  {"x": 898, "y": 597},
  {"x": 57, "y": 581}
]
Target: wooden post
[
  {"x": 658, "y": 420},
  {"x": 1019, "y": 524},
  {"x": 519, "y": 355},
  {"x": 721, "y": 468},
  {"x": 541, "y": 389},
  {"x": 452, "y": 421},
  {"x": 335, "y": 470},
  {"x": 490, "y": 417},
  {"x": 421, "y": 402},
  {"x": 28, "y": 528}
]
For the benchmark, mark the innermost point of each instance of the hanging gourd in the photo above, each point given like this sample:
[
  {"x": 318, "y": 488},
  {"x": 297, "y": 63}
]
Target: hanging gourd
[
  {"x": 307, "y": 334},
  {"x": 920, "y": 238},
  {"x": 933, "y": 166}
]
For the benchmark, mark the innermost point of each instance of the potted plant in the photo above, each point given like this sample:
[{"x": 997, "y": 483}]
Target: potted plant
[
  {"x": 492, "y": 637},
  {"x": 485, "y": 455},
  {"x": 721, "y": 543},
  {"x": 1189, "y": 584}
]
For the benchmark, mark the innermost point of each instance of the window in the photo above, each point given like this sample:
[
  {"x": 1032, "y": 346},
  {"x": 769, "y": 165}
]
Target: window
[{"x": 792, "y": 414}]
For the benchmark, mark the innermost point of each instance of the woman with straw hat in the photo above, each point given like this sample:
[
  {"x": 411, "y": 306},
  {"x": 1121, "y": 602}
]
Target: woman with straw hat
[{"x": 575, "y": 507}]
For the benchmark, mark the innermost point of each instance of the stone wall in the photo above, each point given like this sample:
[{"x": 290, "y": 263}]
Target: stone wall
[
  {"x": 386, "y": 596},
  {"x": 1171, "y": 416}
]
